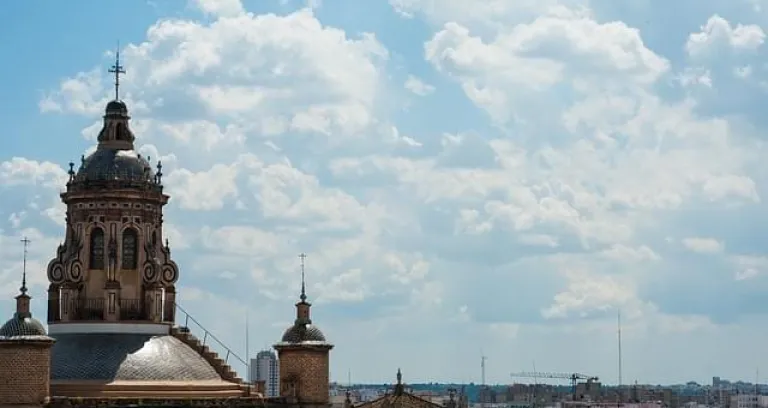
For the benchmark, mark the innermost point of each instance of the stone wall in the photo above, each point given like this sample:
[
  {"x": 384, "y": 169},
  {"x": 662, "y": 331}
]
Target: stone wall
[
  {"x": 310, "y": 367},
  {"x": 25, "y": 371}
]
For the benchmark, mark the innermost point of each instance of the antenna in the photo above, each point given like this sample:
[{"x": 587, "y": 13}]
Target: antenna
[
  {"x": 482, "y": 370},
  {"x": 23, "y": 288},
  {"x": 117, "y": 69},
  {"x": 247, "y": 350},
  {"x": 535, "y": 383},
  {"x": 349, "y": 378},
  {"x": 618, "y": 322},
  {"x": 757, "y": 375}
]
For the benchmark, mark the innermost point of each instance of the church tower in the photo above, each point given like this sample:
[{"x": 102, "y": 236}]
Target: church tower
[
  {"x": 25, "y": 354},
  {"x": 112, "y": 265},
  {"x": 303, "y": 354},
  {"x": 112, "y": 295}
]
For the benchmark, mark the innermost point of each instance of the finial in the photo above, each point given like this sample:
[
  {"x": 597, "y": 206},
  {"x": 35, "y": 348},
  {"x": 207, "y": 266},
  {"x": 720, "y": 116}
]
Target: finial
[
  {"x": 399, "y": 377},
  {"x": 117, "y": 69},
  {"x": 159, "y": 173},
  {"x": 303, "y": 296},
  {"x": 23, "y": 288},
  {"x": 82, "y": 159}
]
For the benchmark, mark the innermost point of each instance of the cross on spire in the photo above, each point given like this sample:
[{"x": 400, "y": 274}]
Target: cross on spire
[
  {"x": 303, "y": 296},
  {"x": 117, "y": 69},
  {"x": 23, "y": 288}
]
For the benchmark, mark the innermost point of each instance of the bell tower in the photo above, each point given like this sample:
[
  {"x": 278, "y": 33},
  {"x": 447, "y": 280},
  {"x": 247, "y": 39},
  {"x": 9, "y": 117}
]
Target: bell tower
[
  {"x": 113, "y": 265},
  {"x": 304, "y": 356}
]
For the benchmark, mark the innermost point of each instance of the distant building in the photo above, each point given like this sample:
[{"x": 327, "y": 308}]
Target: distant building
[{"x": 265, "y": 368}]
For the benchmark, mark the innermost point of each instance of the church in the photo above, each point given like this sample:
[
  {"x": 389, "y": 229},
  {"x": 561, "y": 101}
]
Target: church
[{"x": 113, "y": 338}]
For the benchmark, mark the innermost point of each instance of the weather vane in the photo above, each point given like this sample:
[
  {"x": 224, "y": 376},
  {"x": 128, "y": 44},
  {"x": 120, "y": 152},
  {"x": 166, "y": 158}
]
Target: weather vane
[{"x": 117, "y": 69}]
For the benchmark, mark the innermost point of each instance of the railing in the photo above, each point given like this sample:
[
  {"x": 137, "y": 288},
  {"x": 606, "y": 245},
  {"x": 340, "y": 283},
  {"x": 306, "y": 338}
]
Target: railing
[
  {"x": 87, "y": 309},
  {"x": 131, "y": 309},
  {"x": 93, "y": 309},
  {"x": 208, "y": 336}
]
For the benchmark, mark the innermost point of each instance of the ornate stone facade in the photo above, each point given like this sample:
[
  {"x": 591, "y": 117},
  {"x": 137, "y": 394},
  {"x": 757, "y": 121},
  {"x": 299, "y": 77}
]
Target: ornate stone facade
[{"x": 113, "y": 265}]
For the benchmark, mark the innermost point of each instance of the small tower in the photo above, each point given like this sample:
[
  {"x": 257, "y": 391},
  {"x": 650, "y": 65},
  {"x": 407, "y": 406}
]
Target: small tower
[
  {"x": 25, "y": 354},
  {"x": 303, "y": 354}
]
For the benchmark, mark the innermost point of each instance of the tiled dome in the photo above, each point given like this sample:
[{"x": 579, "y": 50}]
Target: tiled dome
[
  {"x": 127, "y": 357},
  {"x": 109, "y": 165},
  {"x": 22, "y": 326},
  {"x": 303, "y": 333}
]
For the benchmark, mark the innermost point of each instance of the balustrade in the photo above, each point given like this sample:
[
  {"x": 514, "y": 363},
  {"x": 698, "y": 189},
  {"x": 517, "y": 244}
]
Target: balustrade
[{"x": 93, "y": 309}]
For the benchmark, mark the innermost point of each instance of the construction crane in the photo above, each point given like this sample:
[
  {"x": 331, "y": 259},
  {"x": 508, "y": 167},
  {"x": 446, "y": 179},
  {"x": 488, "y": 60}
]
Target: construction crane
[{"x": 573, "y": 377}]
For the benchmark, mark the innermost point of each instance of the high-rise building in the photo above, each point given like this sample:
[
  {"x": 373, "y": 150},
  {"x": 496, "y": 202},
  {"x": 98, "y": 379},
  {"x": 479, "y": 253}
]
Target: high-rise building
[{"x": 265, "y": 368}]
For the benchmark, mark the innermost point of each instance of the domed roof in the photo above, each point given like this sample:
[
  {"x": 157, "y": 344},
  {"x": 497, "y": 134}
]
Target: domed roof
[
  {"x": 111, "y": 164},
  {"x": 126, "y": 357},
  {"x": 22, "y": 326},
  {"x": 116, "y": 107},
  {"x": 303, "y": 333}
]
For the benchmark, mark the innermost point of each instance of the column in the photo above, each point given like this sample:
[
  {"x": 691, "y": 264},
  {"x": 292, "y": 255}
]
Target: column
[
  {"x": 152, "y": 302},
  {"x": 69, "y": 303},
  {"x": 112, "y": 301}
]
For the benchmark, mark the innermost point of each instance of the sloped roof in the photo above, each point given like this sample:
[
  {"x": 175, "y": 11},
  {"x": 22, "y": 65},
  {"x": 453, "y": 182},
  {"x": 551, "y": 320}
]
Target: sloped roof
[
  {"x": 399, "y": 398},
  {"x": 404, "y": 400}
]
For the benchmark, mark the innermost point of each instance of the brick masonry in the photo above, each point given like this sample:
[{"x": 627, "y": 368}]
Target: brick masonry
[
  {"x": 24, "y": 372},
  {"x": 160, "y": 402},
  {"x": 310, "y": 367}
]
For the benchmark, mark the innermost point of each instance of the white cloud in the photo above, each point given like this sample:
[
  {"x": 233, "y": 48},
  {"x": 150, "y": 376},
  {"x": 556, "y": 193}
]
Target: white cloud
[
  {"x": 718, "y": 32},
  {"x": 703, "y": 245},
  {"x": 589, "y": 293},
  {"x": 20, "y": 171},
  {"x": 532, "y": 216},
  {"x": 418, "y": 87},
  {"x": 222, "y": 8}
]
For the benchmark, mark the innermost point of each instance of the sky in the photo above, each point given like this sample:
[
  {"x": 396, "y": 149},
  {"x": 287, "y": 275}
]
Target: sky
[{"x": 467, "y": 178}]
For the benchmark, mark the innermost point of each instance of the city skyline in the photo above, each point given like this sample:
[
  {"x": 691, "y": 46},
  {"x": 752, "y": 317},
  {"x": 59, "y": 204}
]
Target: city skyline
[{"x": 471, "y": 179}]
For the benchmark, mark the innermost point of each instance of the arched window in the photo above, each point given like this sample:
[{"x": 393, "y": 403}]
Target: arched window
[
  {"x": 97, "y": 249},
  {"x": 130, "y": 237}
]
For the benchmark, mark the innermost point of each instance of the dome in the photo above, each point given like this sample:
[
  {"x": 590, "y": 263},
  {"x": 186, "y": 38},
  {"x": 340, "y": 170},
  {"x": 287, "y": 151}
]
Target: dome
[
  {"x": 116, "y": 107},
  {"x": 302, "y": 333},
  {"x": 126, "y": 357},
  {"x": 22, "y": 326},
  {"x": 111, "y": 164}
]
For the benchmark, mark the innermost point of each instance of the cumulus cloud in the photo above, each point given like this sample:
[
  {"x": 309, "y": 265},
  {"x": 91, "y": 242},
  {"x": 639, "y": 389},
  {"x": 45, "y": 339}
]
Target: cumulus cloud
[
  {"x": 529, "y": 203},
  {"x": 703, "y": 245},
  {"x": 718, "y": 32}
]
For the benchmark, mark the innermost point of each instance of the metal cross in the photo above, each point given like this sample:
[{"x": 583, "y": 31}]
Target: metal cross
[
  {"x": 117, "y": 69},
  {"x": 303, "y": 256},
  {"x": 26, "y": 243}
]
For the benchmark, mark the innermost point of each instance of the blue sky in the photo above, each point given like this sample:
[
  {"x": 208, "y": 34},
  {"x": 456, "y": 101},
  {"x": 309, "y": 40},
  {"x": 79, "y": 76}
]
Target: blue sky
[{"x": 467, "y": 177}]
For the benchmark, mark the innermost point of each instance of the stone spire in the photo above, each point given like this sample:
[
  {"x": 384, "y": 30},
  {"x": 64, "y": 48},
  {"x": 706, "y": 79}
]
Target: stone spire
[{"x": 399, "y": 387}]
